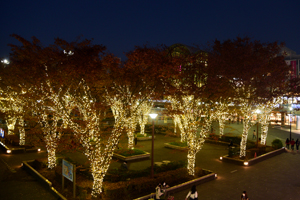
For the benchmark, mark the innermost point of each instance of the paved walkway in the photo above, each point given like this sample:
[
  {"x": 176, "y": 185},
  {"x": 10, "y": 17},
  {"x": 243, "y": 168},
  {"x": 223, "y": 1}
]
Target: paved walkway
[{"x": 275, "y": 178}]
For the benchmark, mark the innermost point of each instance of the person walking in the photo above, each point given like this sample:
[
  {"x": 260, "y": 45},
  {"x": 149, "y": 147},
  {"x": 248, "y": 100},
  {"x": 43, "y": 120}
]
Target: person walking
[
  {"x": 254, "y": 135},
  {"x": 158, "y": 191},
  {"x": 287, "y": 143},
  {"x": 244, "y": 196},
  {"x": 292, "y": 144},
  {"x": 193, "y": 194},
  {"x": 297, "y": 144}
]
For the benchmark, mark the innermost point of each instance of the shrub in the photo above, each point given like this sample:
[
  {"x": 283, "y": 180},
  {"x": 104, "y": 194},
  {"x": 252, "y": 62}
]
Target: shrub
[{"x": 277, "y": 144}]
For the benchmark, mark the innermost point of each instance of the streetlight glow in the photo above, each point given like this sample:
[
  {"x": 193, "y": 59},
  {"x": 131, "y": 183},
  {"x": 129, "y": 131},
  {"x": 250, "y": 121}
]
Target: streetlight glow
[{"x": 153, "y": 115}]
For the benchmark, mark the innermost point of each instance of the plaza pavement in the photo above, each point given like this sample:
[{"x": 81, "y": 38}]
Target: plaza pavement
[{"x": 277, "y": 178}]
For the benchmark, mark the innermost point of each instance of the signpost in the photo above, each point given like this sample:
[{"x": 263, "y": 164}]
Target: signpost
[{"x": 69, "y": 171}]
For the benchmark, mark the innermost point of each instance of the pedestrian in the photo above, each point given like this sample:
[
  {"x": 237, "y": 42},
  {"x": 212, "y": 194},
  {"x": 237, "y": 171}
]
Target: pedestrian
[
  {"x": 287, "y": 143},
  {"x": 158, "y": 191},
  {"x": 193, "y": 194},
  {"x": 254, "y": 135},
  {"x": 297, "y": 144},
  {"x": 244, "y": 196},
  {"x": 230, "y": 145},
  {"x": 135, "y": 139},
  {"x": 292, "y": 144},
  {"x": 124, "y": 166}
]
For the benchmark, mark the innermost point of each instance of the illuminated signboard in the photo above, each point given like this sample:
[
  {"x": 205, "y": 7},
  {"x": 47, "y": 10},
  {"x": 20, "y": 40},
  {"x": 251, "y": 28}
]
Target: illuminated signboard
[
  {"x": 67, "y": 170},
  {"x": 1, "y": 133}
]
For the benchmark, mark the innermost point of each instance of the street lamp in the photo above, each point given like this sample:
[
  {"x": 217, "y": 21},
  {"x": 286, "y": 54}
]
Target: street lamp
[
  {"x": 5, "y": 61},
  {"x": 153, "y": 116},
  {"x": 290, "y": 123},
  {"x": 257, "y": 112}
]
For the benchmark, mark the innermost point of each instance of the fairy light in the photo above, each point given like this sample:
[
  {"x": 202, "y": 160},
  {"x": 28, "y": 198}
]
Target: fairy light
[
  {"x": 127, "y": 106},
  {"x": 187, "y": 110},
  {"x": 98, "y": 151},
  {"x": 145, "y": 109},
  {"x": 13, "y": 108},
  {"x": 264, "y": 120},
  {"x": 221, "y": 112}
]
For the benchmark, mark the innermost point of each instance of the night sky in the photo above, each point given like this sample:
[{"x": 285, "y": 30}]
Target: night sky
[{"x": 122, "y": 24}]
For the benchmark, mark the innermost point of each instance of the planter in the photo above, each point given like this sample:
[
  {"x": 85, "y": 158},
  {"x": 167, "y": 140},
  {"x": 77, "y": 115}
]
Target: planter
[
  {"x": 130, "y": 158},
  {"x": 168, "y": 145},
  {"x": 253, "y": 160},
  {"x": 219, "y": 142}
]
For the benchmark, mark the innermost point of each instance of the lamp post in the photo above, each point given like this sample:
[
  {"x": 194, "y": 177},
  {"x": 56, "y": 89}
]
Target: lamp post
[
  {"x": 153, "y": 116},
  {"x": 257, "y": 112},
  {"x": 290, "y": 123}
]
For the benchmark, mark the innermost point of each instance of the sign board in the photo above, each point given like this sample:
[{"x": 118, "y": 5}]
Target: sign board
[{"x": 67, "y": 170}]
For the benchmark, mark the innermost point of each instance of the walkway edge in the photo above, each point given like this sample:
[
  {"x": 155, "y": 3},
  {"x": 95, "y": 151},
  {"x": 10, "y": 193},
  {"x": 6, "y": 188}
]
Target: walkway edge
[
  {"x": 42, "y": 179},
  {"x": 184, "y": 186}
]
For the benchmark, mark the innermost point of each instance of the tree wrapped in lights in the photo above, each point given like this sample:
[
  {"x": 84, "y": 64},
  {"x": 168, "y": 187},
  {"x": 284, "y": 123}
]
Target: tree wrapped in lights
[
  {"x": 265, "y": 113},
  {"x": 134, "y": 82},
  {"x": 125, "y": 107},
  {"x": 13, "y": 107},
  {"x": 221, "y": 112},
  {"x": 97, "y": 148},
  {"x": 185, "y": 91},
  {"x": 143, "y": 116},
  {"x": 253, "y": 70},
  {"x": 189, "y": 112}
]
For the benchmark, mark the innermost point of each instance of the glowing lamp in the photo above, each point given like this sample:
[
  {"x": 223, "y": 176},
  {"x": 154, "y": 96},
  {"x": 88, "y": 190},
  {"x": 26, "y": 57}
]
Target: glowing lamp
[
  {"x": 153, "y": 115},
  {"x": 246, "y": 163},
  {"x": 221, "y": 158},
  {"x": 8, "y": 151},
  {"x": 38, "y": 149}
]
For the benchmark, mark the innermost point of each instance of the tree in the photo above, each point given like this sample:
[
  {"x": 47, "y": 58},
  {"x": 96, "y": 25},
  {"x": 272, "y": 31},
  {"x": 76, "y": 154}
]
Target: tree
[{"x": 253, "y": 70}]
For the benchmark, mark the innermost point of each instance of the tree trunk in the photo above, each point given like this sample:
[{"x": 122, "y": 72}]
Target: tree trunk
[
  {"x": 21, "y": 131},
  {"x": 51, "y": 156},
  {"x": 11, "y": 125},
  {"x": 221, "y": 125},
  {"x": 264, "y": 133},
  {"x": 246, "y": 128},
  {"x": 191, "y": 161}
]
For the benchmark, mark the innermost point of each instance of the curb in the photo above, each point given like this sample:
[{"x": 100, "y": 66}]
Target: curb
[
  {"x": 130, "y": 158},
  {"x": 253, "y": 160},
  {"x": 168, "y": 145}
]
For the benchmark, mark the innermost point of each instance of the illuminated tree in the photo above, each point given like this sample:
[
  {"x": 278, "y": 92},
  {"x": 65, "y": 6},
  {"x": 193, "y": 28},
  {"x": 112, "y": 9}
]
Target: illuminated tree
[
  {"x": 189, "y": 105},
  {"x": 253, "y": 70},
  {"x": 264, "y": 113},
  {"x": 145, "y": 109},
  {"x": 189, "y": 112},
  {"x": 134, "y": 82}
]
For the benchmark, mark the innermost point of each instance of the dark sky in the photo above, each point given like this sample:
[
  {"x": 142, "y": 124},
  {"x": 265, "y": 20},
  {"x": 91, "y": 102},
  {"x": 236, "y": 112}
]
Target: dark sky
[{"x": 122, "y": 24}]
